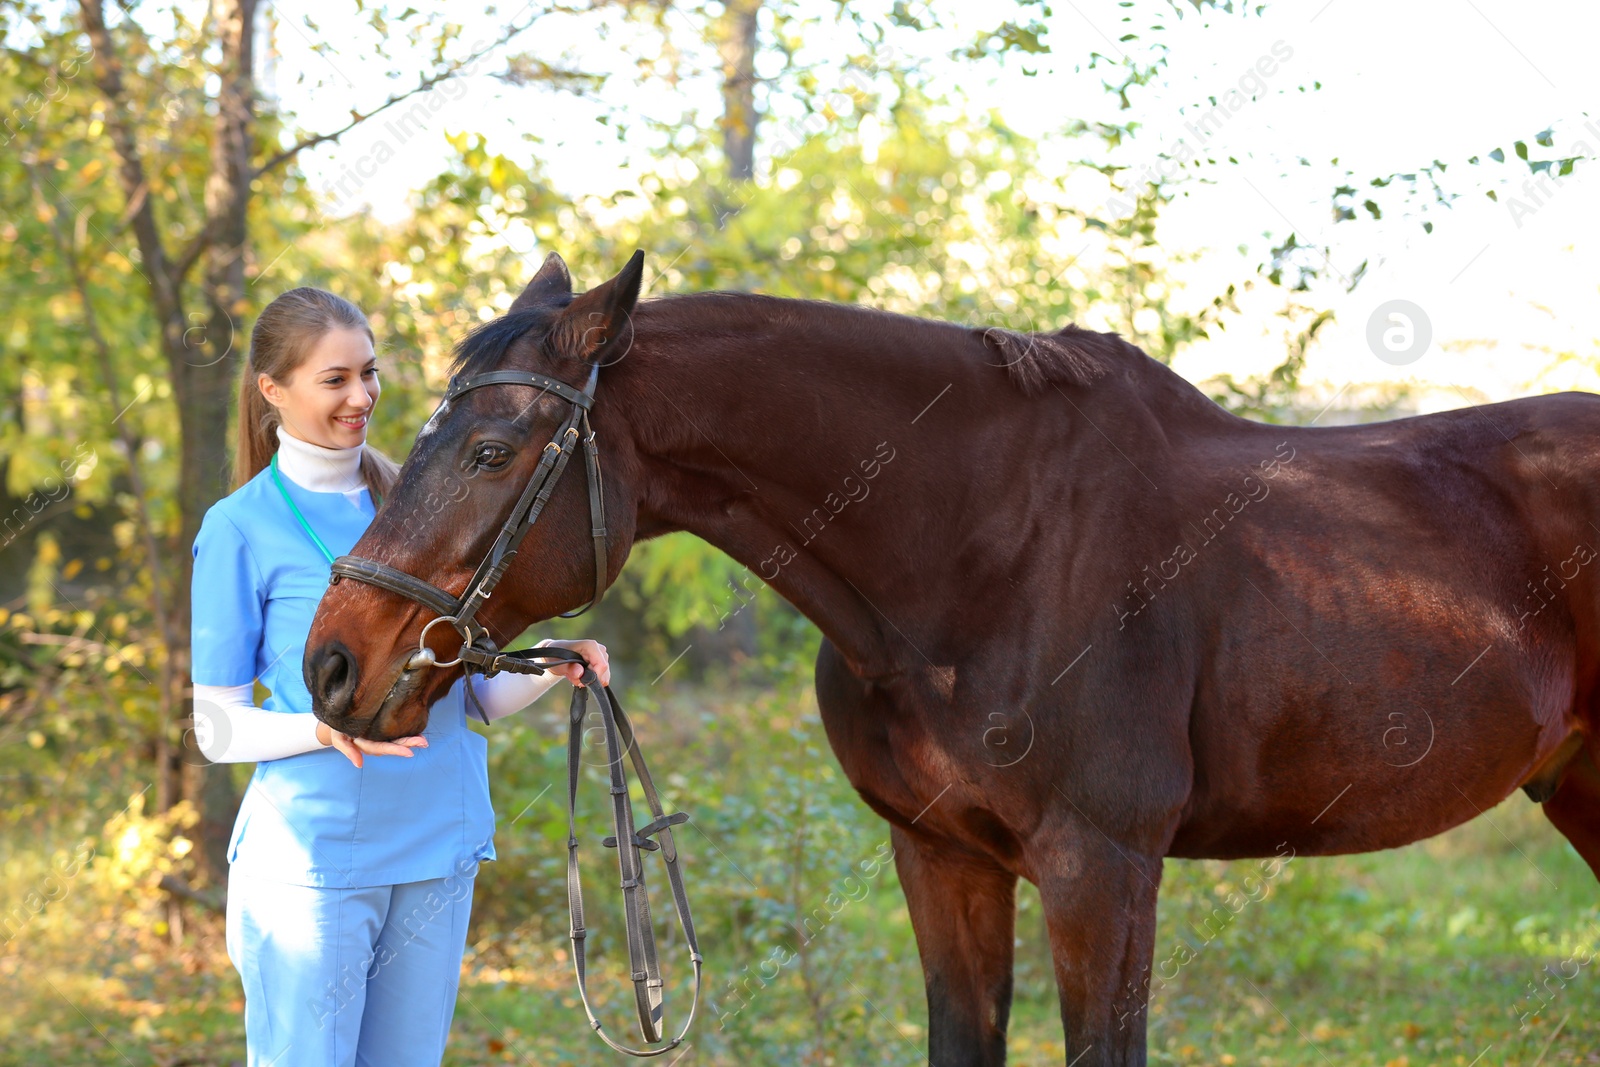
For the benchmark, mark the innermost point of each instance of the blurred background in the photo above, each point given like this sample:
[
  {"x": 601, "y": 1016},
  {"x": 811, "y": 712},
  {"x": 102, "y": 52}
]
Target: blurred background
[{"x": 1328, "y": 212}]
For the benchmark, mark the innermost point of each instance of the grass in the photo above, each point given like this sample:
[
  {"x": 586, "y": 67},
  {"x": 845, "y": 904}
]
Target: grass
[{"x": 1423, "y": 955}]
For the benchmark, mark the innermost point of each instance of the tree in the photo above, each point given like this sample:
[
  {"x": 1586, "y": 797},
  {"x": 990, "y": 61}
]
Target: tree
[{"x": 167, "y": 117}]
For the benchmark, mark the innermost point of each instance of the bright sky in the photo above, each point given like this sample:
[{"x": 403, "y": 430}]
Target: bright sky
[{"x": 1402, "y": 85}]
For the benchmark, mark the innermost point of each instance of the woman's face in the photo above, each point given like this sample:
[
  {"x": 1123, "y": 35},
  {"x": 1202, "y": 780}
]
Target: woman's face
[{"x": 329, "y": 398}]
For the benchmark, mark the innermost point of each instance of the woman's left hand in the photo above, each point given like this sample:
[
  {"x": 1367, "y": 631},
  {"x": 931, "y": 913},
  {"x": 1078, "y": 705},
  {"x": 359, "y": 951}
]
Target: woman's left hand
[{"x": 593, "y": 652}]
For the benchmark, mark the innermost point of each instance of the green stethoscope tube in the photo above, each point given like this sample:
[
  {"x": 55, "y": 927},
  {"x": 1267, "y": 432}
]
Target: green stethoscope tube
[{"x": 304, "y": 525}]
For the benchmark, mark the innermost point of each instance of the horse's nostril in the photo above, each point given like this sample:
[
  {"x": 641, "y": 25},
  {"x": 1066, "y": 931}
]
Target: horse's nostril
[{"x": 331, "y": 675}]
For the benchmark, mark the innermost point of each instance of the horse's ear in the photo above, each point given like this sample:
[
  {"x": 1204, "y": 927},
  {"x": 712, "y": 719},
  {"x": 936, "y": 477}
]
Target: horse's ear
[
  {"x": 551, "y": 283},
  {"x": 597, "y": 318}
]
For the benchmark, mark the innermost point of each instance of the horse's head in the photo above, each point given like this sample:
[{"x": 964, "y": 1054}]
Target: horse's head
[{"x": 462, "y": 480}]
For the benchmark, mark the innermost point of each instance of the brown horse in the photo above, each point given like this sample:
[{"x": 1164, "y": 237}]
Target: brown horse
[{"x": 1076, "y": 617}]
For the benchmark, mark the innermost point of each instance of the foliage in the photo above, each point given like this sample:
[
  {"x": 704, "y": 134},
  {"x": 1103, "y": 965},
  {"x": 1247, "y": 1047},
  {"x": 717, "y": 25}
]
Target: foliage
[{"x": 875, "y": 189}]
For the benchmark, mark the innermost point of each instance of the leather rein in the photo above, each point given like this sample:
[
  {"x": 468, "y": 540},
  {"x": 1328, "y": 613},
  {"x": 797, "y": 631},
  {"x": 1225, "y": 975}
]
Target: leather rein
[{"x": 480, "y": 654}]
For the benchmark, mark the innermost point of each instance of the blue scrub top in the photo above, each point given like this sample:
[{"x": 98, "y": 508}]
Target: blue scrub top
[{"x": 315, "y": 819}]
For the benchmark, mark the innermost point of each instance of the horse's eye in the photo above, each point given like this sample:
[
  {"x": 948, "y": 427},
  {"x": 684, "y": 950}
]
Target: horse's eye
[{"x": 490, "y": 457}]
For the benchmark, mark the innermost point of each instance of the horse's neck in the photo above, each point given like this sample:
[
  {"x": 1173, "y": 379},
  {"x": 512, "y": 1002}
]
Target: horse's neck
[
  {"x": 844, "y": 469},
  {"x": 791, "y": 449}
]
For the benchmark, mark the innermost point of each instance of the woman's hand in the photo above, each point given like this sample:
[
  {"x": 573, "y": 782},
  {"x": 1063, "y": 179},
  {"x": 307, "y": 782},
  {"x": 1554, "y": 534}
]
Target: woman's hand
[
  {"x": 354, "y": 747},
  {"x": 593, "y": 652}
]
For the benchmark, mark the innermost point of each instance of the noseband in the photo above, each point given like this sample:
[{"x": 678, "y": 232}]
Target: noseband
[{"x": 479, "y": 653}]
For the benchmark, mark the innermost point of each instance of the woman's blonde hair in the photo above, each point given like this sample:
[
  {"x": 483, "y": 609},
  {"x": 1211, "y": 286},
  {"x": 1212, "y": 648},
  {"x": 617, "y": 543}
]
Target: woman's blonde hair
[{"x": 284, "y": 334}]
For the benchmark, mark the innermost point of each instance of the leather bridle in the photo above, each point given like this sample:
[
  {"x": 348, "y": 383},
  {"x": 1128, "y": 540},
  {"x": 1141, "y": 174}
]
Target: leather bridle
[
  {"x": 478, "y": 650},
  {"x": 480, "y": 653}
]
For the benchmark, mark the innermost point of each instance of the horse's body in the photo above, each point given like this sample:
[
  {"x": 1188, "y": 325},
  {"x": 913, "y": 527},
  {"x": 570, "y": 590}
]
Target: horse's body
[{"x": 1077, "y": 618}]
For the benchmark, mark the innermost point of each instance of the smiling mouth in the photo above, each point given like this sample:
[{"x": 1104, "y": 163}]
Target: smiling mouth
[{"x": 354, "y": 422}]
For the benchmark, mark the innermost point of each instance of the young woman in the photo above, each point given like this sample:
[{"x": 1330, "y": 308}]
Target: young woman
[{"x": 350, "y": 878}]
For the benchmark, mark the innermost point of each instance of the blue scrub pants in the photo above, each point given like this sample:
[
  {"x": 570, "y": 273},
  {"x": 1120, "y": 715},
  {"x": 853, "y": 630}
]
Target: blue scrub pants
[{"x": 347, "y": 977}]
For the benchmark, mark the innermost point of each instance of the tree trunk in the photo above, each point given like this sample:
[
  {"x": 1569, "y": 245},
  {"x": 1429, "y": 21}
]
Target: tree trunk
[
  {"x": 737, "y": 43},
  {"x": 203, "y": 375},
  {"x": 198, "y": 348}
]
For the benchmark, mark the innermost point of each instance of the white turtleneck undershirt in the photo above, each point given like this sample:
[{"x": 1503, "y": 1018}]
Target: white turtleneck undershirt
[
  {"x": 317, "y": 468},
  {"x": 252, "y": 734}
]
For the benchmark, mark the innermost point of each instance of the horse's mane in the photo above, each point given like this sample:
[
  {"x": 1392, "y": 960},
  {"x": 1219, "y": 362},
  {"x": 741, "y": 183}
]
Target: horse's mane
[
  {"x": 485, "y": 347},
  {"x": 1069, "y": 356},
  {"x": 1032, "y": 361}
]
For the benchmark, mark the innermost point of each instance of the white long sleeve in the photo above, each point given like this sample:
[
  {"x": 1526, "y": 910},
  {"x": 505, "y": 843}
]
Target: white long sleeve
[{"x": 229, "y": 728}]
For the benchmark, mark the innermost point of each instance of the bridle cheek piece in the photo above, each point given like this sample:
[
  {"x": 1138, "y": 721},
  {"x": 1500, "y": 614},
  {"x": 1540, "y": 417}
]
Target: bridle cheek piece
[{"x": 480, "y": 654}]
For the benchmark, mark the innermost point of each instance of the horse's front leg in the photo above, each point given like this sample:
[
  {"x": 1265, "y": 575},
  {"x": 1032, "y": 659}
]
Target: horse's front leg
[
  {"x": 963, "y": 909},
  {"x": 1099, "y": 901}
]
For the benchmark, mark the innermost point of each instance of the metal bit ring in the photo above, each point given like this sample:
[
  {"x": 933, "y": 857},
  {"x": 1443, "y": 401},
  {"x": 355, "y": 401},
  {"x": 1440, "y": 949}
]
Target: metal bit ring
[{"x": 426, "y": 655}]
